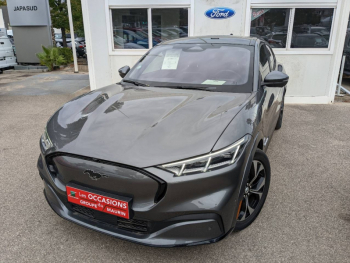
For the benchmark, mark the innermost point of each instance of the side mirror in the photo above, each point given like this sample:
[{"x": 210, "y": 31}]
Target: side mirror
[
  {"x": 123, "y": 71},
  {"x": 276, "y": 79}
]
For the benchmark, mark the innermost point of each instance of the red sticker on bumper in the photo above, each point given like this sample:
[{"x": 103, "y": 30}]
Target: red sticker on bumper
[{"x": 98, "y": 202}]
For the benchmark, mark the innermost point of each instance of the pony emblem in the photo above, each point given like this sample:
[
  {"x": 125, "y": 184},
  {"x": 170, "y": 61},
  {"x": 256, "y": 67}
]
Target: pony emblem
[{"x": 95, "y": 176}]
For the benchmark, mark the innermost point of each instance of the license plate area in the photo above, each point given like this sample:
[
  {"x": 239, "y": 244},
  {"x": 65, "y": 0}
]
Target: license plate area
[{"x": 104, "y": 202}]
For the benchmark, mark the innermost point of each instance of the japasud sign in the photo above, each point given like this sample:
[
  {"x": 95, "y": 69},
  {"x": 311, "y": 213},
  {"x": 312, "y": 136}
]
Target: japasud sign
[
  {"x": 25, "y": 8},
  {"x": 28, "y": 12}
]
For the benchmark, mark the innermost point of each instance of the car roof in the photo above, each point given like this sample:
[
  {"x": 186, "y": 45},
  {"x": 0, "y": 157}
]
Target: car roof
[{"x": 222, "y": 39}]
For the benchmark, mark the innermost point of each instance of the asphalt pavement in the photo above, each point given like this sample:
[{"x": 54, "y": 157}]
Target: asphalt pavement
[{"x": 306, "y": 217}]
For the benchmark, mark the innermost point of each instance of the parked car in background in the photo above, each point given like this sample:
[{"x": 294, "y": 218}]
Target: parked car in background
[
  {"x": 260, "y": 31},
  {"x": 276, "y": 39},
  {"x": 307, "y": 29},
  {"x": 11, "y": 39},
  {"x": 7, "y": 54},
  {"x": 120, "y": 43},
  {"x": 79, "y": 47},
  {"x": 177, "y": 32},
  {"x": 132, "y": 35},
  {"x": 58, "y": 38},
  {"x": 10, "y": 33},
  {"x": 308, "y": 41}
]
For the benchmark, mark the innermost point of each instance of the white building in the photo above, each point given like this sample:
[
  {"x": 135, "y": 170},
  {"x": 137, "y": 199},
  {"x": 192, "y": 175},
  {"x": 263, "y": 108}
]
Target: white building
[{"x": 307, "y": 36}]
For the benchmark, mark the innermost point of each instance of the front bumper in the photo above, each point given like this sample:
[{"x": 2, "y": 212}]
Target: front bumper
[{"x": 196, "y": 209}]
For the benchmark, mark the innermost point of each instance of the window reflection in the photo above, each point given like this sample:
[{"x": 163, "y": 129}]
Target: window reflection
[
  {"x": 271, "y": 24},
  {"x": 311, "y": 28},
  {"x": 130, "y": 28},
  {"x": 169, "y": 23}
]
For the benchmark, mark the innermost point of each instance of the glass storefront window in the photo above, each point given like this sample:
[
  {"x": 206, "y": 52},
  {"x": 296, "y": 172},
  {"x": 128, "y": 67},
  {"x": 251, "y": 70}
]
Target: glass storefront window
[
  {"x": 130, "y": 28},
  {"x": 271, "y": 24},
  {"x": 312, "y": 27},
  {"x": 169, "y": 23}
]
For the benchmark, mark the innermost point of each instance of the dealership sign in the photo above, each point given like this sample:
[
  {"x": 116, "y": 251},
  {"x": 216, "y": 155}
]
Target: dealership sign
[
  {"x": 29, "y": 12},
  {"x": 25, "y": 8},
  {"x": 219, "y": 13}
]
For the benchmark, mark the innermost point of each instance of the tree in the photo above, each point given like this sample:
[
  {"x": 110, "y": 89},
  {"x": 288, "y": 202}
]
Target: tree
[
  {"x": 59, "y": 17},
  {"x": 77, "y": 15},
  {"x": 3, "y": 2}
]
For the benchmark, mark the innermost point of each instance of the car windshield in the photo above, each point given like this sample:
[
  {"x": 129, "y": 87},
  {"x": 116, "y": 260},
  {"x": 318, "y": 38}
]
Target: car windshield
[{"x": 220, "y": 67}]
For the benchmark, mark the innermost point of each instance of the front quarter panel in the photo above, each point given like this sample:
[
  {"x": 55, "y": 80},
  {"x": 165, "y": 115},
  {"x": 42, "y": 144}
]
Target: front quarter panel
[{"x": 247, "y": 121}]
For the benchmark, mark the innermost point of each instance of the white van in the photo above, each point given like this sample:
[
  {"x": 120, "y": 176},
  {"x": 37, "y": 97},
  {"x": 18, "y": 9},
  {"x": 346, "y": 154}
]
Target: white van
[{"x": 7, "y": 55}]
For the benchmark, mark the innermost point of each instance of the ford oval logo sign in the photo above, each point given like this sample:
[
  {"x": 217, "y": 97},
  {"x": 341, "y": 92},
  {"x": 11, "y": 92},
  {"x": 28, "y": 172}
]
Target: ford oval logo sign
[{"x": 220, "y": 13}]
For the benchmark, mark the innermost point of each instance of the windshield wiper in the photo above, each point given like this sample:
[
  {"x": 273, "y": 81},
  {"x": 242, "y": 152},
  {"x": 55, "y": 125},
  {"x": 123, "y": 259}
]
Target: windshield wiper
[
  {"x": 135, "y": 83},
  {"x": 188, "y": 87}
]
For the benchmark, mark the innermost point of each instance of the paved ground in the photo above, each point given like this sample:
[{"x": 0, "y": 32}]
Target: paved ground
[
  {"x": 306, "y": 217},
  {"x": 42, "y": 84},
  {"x": 6, "y": 78}
]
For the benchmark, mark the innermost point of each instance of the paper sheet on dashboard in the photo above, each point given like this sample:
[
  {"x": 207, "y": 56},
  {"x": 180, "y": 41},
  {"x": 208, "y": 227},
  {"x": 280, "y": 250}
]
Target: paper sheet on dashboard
[
  {"x": 171, "y": 59},
  {"x": 213, "y": 82}
]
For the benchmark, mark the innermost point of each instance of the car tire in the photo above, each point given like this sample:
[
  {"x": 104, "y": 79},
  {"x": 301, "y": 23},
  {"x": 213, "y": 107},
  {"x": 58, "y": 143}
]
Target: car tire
[
  {"x": 255, "y": 191},
  {"x": 280, "y": 117}
]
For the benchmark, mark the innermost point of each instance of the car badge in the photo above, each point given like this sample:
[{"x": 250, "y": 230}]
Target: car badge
[{"x": 95, "y": 176}]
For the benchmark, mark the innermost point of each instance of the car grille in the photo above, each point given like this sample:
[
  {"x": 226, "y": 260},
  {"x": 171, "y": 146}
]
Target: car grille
[
  {"x": 83, "y": 210},
  {"x": 134, "y": 225}
]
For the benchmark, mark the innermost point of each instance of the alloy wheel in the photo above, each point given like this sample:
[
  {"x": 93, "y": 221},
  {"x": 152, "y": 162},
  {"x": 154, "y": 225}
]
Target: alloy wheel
[{"x": 254, "y": 191}]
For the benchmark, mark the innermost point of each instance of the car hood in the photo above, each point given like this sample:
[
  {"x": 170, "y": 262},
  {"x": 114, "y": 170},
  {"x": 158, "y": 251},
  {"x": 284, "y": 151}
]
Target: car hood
[{"x": 143, "y": 126}]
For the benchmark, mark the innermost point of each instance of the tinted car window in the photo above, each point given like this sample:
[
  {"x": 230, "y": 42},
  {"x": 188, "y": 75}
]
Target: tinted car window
[
  {"x": 271, "y": 58},
  {"x": 264, "y": 64},
  {"x": 226, "y": 67}
]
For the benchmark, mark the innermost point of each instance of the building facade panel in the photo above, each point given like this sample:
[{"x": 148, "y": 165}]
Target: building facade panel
[{"x": 312, "y": 68}]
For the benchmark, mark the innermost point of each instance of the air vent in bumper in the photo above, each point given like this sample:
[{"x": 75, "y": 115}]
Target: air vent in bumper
[{"x": 134, "y": 225}]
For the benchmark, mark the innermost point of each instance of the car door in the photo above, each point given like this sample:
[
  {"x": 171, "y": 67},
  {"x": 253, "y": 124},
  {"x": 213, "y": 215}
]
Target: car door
[
  {"x": 276, "y": 91},
  {"x": 269, "y": 105},
  {"x": 6, "y": 49}
]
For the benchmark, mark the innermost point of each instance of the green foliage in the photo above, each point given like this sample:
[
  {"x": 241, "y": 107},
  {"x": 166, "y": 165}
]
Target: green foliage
[
  {"x": 50, "y": 57},
  {"x": 67, "y": 54},
  {"x": 3, "y": 2},
  {"x": 59, "y": 15},
  {"x": 77, "y": 15}
]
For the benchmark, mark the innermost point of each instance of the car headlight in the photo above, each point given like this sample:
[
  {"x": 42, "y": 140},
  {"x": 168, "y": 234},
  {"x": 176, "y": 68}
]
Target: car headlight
[
  {"x": 46, "y": 141},
  {"x": 207, "y": 162}
]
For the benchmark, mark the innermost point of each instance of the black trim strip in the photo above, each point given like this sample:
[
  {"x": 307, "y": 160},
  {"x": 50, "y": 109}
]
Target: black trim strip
[{"x": 162, "y": 185}]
